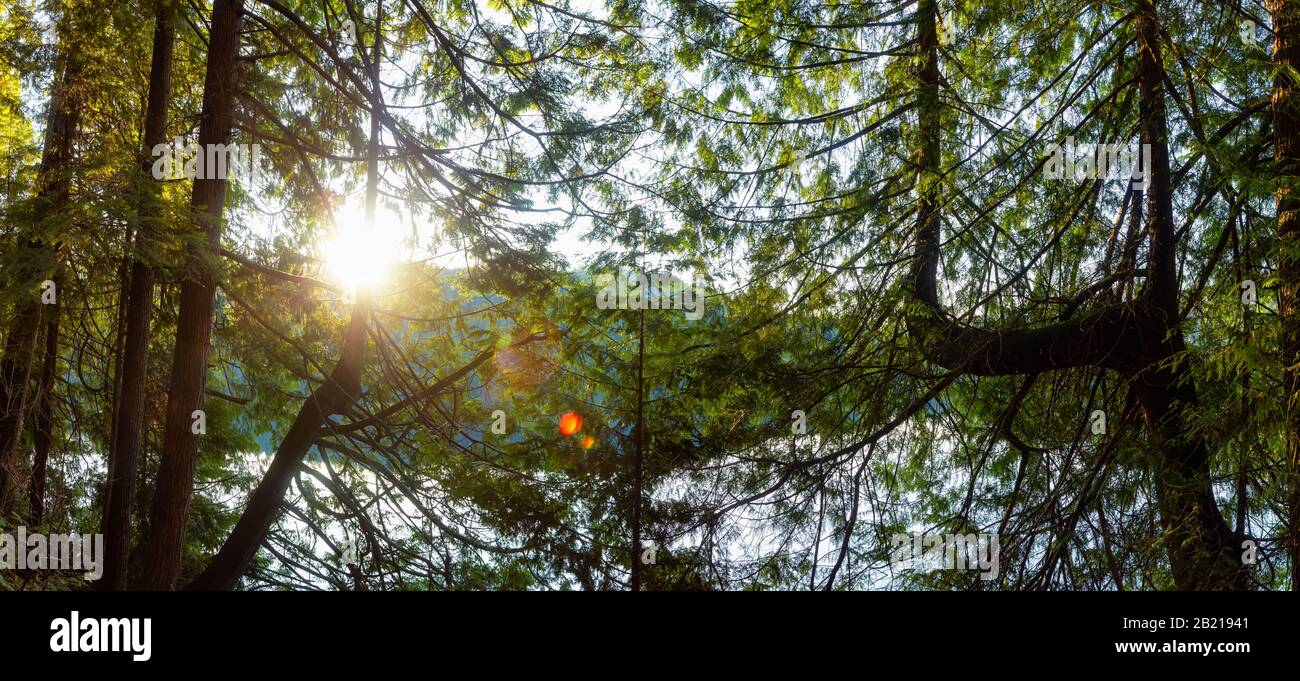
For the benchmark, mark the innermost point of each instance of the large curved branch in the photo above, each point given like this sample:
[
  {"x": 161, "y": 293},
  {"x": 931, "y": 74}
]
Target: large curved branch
[{"x": 1104, "y": 337}]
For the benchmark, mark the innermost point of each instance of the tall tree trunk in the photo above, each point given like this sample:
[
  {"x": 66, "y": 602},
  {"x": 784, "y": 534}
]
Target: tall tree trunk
[
  {"x": 53, "y": 184},
  {"x": 1199, "y": 542},
  {"x": 171, "y": 503},
  {"x": 1286, "y": 150},
  {"x": 128, "y": 418}
]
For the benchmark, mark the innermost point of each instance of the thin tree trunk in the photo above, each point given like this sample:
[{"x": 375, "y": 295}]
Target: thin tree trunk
[
  {"x": 44, "y": 422},
  {"x": 119, "y": 336},
  {"x": 638, "y": 463},
  {"x": 1244, "y": 439},
  {"x": 128, "y": 418},
  {"x": 171, "y": 503}
]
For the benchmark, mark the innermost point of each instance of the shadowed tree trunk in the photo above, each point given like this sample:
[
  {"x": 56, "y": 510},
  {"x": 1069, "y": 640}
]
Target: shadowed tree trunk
[
  {"x": 1137, "y": 338},
  {"x": 128, "y": 419},
  {"x": 1286, "y": 149},
  {"x": 175, "y": 487}
]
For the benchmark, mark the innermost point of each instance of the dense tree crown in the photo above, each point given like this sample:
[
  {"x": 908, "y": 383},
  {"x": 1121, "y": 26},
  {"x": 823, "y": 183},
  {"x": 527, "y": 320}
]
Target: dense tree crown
[{"x": 584, "y": 294}]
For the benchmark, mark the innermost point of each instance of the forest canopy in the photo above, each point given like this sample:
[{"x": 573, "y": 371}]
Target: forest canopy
[{"x": 665, "y": 295}]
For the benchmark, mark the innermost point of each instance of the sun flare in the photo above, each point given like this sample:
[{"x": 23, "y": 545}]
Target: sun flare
[{"x": 359, "y": 256}]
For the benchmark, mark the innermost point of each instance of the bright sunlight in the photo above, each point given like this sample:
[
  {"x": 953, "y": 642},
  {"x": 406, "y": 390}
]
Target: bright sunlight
[{"x": 360, "y": 256}]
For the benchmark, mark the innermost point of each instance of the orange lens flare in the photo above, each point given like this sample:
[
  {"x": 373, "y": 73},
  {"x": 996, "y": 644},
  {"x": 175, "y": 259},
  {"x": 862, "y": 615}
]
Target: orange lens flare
[{"x": 570, "y": 423}]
